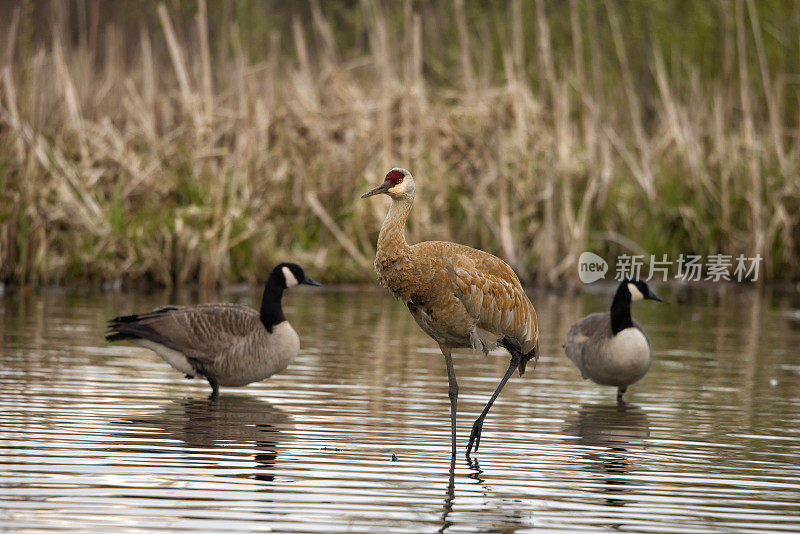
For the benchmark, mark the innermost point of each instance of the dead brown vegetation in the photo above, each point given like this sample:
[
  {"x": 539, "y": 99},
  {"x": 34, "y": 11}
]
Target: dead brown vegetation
[{"x": 162, "y": 155}]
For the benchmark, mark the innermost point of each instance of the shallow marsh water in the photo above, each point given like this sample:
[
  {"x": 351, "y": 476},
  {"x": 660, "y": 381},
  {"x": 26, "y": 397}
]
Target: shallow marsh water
[{"x": 98, "y": 436}]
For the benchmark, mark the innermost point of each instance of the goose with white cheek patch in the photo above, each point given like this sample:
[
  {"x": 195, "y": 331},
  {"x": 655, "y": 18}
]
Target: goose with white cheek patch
[
  {"x": 228, "y": 344},
  {"x": 611, "y": 349}
]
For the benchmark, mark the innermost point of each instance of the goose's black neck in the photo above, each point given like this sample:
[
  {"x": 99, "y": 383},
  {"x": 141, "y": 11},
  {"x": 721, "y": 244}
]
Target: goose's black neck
[
  {"x": 271, "y": 310},
  {"x": 621, "y": 310}
]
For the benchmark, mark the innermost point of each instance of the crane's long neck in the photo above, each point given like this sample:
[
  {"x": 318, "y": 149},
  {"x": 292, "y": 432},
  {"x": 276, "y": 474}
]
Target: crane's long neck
[{"x": 392, "y": 239}]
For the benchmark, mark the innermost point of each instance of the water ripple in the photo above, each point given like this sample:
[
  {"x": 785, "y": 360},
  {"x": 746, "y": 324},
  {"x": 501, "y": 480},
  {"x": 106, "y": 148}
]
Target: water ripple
[{"x": 354, "y": 436}]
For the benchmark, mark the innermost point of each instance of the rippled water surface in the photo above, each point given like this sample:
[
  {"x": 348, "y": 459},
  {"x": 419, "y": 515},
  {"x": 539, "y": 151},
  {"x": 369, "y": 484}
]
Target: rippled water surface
[{"x": 97, "y": 436}]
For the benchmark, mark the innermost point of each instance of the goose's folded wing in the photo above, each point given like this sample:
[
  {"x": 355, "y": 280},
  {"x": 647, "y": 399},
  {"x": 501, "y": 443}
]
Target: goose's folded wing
[
  {"x": 493, "y": 295},
  {"x": 199, "y": 332},
  {"x": 586, "y": 335}
]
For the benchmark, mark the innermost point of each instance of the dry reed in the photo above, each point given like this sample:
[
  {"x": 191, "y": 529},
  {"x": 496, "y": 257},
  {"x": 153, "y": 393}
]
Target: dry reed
[{"x": 171, "y": 155}]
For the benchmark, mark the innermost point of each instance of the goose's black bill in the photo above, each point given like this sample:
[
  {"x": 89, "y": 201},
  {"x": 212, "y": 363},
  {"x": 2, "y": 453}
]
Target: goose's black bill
[{"x": 652, "y": 296}]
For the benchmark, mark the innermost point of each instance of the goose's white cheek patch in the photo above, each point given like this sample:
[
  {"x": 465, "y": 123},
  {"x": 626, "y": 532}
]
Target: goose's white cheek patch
[
  {"x": 289, "y": 277},
  {"x": 635, "y": 293}
]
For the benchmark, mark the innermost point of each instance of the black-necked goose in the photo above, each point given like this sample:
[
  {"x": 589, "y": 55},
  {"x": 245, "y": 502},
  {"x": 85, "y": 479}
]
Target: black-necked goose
[
  {"x": 228, "y": 344},
  {"x": 611, "y": 349}
]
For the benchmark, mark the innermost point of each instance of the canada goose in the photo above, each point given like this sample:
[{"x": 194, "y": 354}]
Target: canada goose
[
  {"x": 228, "y": 344},
  {"x": 611, "y": 349},
  {"x": 459, "y": 296}
]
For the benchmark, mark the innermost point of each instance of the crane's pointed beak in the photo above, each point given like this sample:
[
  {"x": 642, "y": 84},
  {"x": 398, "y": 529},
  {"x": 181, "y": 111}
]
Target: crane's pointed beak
[{"x": 385, "y": 186}]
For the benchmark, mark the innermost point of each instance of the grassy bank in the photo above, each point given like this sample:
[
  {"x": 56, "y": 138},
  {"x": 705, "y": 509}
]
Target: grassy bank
[{"x": 203, "y": 143}]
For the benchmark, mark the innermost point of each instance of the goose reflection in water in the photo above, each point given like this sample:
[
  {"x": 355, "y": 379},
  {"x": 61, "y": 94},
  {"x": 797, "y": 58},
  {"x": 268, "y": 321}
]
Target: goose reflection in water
[
  {"x": 614, "y": 435},
  {"x": 232, "y": 425}
]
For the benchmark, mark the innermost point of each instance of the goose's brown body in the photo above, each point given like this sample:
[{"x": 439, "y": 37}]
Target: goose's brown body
[
  {"x": 606, "y": 358},
  {"x": 611, "y": 349},
  {"x": 226, "y": 342}
]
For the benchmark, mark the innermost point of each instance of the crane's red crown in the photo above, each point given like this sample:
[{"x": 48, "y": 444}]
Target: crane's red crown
[{"x": 394, "y": 177}]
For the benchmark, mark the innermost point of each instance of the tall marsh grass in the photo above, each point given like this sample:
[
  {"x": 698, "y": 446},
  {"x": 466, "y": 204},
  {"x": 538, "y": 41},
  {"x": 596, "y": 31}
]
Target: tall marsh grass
[{"x": 189, "y": 142}]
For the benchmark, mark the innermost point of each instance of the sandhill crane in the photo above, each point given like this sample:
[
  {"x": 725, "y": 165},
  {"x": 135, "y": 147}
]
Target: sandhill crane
[
  {"x": 228, "y": 344},
  {"x": 459, "y": 296},
  {"x": 611, "y": 349}
]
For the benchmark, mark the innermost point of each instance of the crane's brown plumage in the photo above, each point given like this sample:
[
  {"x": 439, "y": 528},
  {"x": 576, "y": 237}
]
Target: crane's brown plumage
[{"x": 460, "y": 296}]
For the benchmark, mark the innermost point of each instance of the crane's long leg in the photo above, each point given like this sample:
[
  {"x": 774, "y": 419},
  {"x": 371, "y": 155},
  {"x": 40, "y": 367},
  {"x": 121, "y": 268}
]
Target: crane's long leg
[
  {"x": 452, "y": 392},
  {"x": 475, "y": 435}
]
